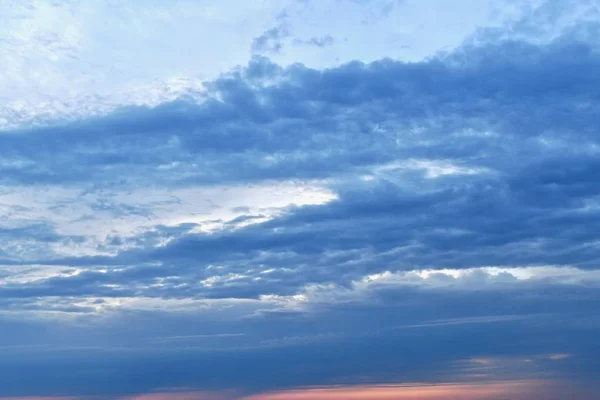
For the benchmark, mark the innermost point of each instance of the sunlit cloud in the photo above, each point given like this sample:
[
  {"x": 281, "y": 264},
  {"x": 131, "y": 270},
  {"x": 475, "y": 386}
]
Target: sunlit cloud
[{"x": 559, "y": 356}]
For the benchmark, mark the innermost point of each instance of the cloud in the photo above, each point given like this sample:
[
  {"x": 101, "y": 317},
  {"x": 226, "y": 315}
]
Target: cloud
[
  {"x": 422, "y": 332},
  {"x": 375, "y": 222},
  {"x": 321, "y": 41},
  {"x": 271, "y": 40},
  {"x": 559, "y": 356},
  {"x": 427, "y": 172},
  {"x": 281, "y": 123}
]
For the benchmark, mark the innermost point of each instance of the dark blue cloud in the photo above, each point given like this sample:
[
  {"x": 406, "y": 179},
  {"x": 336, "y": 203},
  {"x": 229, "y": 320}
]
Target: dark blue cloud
[
  {"x": 398, "y": 338},
  {"x": 262, "y": 122},
  {"x": 270, "y": 40},
  {"x": 376, "y": 227},
  {"x": 509, "y": 111}
]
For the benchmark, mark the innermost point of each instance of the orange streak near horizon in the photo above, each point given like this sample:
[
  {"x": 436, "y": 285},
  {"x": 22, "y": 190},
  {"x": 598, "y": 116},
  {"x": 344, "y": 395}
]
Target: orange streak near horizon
[
  {"x": 181, "y": 396},
  {"x": 526, "y": 390},
  {"x": 516, "y": 390}
]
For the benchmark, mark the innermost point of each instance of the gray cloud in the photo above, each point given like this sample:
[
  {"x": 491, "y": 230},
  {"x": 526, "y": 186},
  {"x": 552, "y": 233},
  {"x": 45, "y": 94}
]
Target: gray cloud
[
  {"x": 508, "y": 112},
  {"x": 321, "y": 41},
  {"x": 509, "y": 99},
  {"x": 271, "y": 40},
  {"x": 419, "y": 334}
]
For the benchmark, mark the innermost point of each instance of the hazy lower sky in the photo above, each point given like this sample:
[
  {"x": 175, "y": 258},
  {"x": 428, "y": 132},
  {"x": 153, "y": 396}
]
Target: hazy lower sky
[{"x": 299, "y": 199}]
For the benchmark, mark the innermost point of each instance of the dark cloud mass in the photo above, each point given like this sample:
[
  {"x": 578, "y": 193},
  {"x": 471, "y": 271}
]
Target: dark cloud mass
[
  {"x": 514, "y": 122},
  {"x": 459, "y": 244},
  {"x": 506, "y": 102}
]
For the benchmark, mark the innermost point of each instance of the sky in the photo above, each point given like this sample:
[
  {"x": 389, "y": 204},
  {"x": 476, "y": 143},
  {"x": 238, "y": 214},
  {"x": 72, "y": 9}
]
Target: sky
[{"x": 299, "y": 199}]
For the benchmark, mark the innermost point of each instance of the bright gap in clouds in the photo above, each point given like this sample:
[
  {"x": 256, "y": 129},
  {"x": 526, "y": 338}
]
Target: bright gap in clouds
[{"x": 107, "y": 218}]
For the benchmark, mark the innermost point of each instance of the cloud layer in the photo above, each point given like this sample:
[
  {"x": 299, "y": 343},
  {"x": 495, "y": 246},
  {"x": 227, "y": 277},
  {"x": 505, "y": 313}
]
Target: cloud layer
[{"x": 287, "y": 225}]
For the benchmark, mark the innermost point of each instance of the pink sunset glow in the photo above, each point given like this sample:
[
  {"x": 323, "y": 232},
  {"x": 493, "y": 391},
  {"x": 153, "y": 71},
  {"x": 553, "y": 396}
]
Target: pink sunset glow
[
  {"x": 173, "y": 395},
  {"x": 513, "y": 390},
  {"x": 522, "y": 390}
]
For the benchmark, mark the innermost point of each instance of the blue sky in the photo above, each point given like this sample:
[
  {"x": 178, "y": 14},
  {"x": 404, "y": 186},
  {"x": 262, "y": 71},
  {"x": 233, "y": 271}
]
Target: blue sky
[{"x": 299, "y": 199}]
